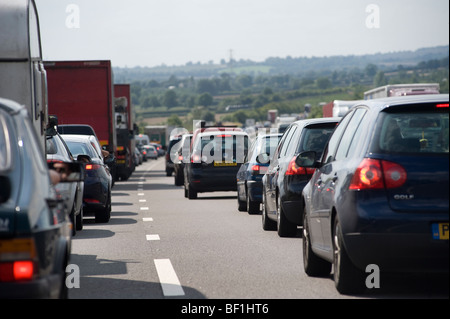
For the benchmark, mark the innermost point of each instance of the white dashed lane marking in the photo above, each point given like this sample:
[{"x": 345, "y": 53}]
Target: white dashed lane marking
[{"x": 168, "y": 278}]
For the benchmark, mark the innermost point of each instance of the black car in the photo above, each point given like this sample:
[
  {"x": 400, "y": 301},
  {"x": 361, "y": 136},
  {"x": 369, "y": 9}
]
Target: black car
[
  {"x": 98, "y": 179},
  {"x": 284, "y": 180},
  {"x": 250, "y": 174},
  {"x": 57, "y": 151},
  {"x": 169, "y": 156},
  {"x": 35, "y": 230},
  {"x": 379, "y": 194},
  {"x": 180, "y": 156},
  {"x": 215, "y": 159}
]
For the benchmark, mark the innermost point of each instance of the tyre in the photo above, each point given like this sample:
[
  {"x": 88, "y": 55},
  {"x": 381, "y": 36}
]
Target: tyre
[
  {"x": 285, "y": 227},
  {"x": 103, "y": 215},
  {"x": 192, "y": 193},
  {"x": 242, "y": 206},
  {"x": 79, "y": 220},
  {"x": 348, "y": 279},
  {"x": 312, "y": 264},
  {"x": 267, "y": 224},
  {"x": 251, "y": 206}
]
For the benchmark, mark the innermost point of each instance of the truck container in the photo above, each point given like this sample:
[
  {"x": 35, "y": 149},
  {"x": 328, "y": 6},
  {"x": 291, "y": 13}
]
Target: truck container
[
  {"x": 401, "y": 90},
  {"x": 337, "y": 108},
  {"x": 22, "y": 73},
  {"x": 125, "y": 130},
  {"x": 158, "y": 134},
  {"x": 82, "y": 92}
]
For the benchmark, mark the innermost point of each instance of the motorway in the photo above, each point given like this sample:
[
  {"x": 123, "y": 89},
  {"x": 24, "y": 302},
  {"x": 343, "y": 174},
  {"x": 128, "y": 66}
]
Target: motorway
[{"x": 161, "y": 245}]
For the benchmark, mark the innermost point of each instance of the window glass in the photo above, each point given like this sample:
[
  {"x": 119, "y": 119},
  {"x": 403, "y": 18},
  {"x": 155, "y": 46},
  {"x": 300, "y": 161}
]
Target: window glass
[
  {"x": 288, "y": 140},
  {"x": 314, "y": 139},
  {"x": 349, "y": 134},
  {"x": 5, "y": 153},
  {"x": 414, "y": 132},
  {"x": 333, "y": 143}
]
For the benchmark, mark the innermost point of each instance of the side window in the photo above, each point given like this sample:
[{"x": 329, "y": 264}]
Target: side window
[
  {"x": 330, "y": 150},
  {"x": 280, "y": 145},
  {"x": 356, "y": 137},
  {"x": 288, "y": 140},
  {"x": 349, "y": 134}
]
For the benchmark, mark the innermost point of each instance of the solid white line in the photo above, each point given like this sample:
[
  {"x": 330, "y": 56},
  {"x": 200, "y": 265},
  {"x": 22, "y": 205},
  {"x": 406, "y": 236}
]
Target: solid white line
[
  {"x": 152, "y": 237},
  {"x": 168, "y": 278}
]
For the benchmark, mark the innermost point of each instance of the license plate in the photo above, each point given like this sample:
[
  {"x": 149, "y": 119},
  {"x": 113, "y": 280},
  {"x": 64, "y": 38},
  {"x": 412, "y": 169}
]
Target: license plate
[
  {"x": 120, "y": 162},
  {"x": 224, "y": 164},
  {"x": 440, "y": 231}
]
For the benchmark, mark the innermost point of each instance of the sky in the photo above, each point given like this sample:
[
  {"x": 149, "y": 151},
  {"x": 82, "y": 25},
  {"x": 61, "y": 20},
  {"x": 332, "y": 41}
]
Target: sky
[{"x": 174, "y": 32}]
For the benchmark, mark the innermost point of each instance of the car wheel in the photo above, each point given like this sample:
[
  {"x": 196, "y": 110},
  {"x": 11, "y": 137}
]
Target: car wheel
[
  {"x": 267, "y": 224},
  {"x": 178, "y": 179},
  {"x": 79, "y": 220},
  {"x": 348, "y": 279},
  {"x": 192, "y": 194},
  {"x": 242, "y": 206},
  {"x": 252, "y": 207},
  {"x": 312, "y": 264},
  {"x": 285, "y": 228},
  {"x": 103, "y": 216}
]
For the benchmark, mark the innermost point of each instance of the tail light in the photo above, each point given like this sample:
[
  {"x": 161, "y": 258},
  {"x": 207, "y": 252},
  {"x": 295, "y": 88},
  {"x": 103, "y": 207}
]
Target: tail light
[
  {"x": 90, "y": 167},
  {"x": 378, "y": 174},
  {"x": 17, "y": 259},
  {"x": 294, "y": 169}
]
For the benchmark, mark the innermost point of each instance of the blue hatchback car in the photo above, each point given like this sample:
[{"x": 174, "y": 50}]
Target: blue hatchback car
[{"x": 379, "y": 194}]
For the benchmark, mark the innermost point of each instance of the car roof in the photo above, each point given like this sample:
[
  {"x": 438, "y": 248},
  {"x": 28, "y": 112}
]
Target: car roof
[
  {"x": 77, "y": 137},
  {"x": 221, "y": 132},
  {"x": 404, "y": 100}
]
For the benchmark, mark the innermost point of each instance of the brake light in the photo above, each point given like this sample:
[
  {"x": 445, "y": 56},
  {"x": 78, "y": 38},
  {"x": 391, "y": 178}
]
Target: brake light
[
  {"x": 17, "y": 259},
  {"x": 442, "y": 105},
  {"x": 378, "y": 174},
  {"x": 294, "y": 169},
  {"x": 90, "y": 167}
]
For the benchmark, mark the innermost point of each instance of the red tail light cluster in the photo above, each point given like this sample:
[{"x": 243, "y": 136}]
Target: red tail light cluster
[
  {"x": 90, "y": 167},
  {"x": 17, "y": 260},
  {"x": 294, "y": 169},
  {"x": 378, "y": 174}
]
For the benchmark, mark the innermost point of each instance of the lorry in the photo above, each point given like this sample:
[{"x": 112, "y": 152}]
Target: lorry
[
  {"x": 22, "y": 72},
  {"x": 401, "y": 90},
  {"x": 125, "y": 130},
  {"x": 158, "y": 134},
  {"x": 82, "y": 92},
  {"x": 337, "y": 108}
]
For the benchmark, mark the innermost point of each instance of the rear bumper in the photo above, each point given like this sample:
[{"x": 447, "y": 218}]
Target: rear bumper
[{"x": 42, "y": 288}]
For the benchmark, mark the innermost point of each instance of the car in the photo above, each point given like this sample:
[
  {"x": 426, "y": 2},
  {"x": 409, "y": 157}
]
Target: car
[
  {"x": 169, "y": 156},
  {"x": 159, "y": 149},
  {"x": 56, "y": 152},
  {"x": 98, "y": 179},
  {"x": 379, "y": 193},
  {"x": 215, "y": 159},
  {"x": 250, "y": 174},
  {"x": 150, "y": 151},
  {"x": 85, "y": 129},
  {"x": 284, "y": 181},
  {"x": 138, "y": 158},
  {"x": 179, "y": 157},
  {"x": 35, "y": 229}
]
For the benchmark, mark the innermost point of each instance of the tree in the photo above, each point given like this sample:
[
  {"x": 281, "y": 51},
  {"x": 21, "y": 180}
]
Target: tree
[
  {"x": 174, "y": 120},
  {"x": 170, "y": 98},
  {"x": 205, "y": 99}
]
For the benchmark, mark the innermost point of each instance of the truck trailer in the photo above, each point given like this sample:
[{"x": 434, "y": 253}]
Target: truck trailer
[
  {"x": 82, "y": 92},
  {"x": 22, "y": 72},
  {"x": 402, "y": 90},
  {"x": 125, "y": 130}
]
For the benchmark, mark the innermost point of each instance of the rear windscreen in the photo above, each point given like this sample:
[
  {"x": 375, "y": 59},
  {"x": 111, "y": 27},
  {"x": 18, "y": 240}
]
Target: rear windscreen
[{"x": 414, "y": 132}]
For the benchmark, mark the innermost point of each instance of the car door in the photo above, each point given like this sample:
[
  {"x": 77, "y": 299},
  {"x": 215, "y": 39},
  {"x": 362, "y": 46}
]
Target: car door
[
  {"x": 319, "y": 209},
  {"x": 335, "y": 178},
  {"x": 272, "y": 173}
]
